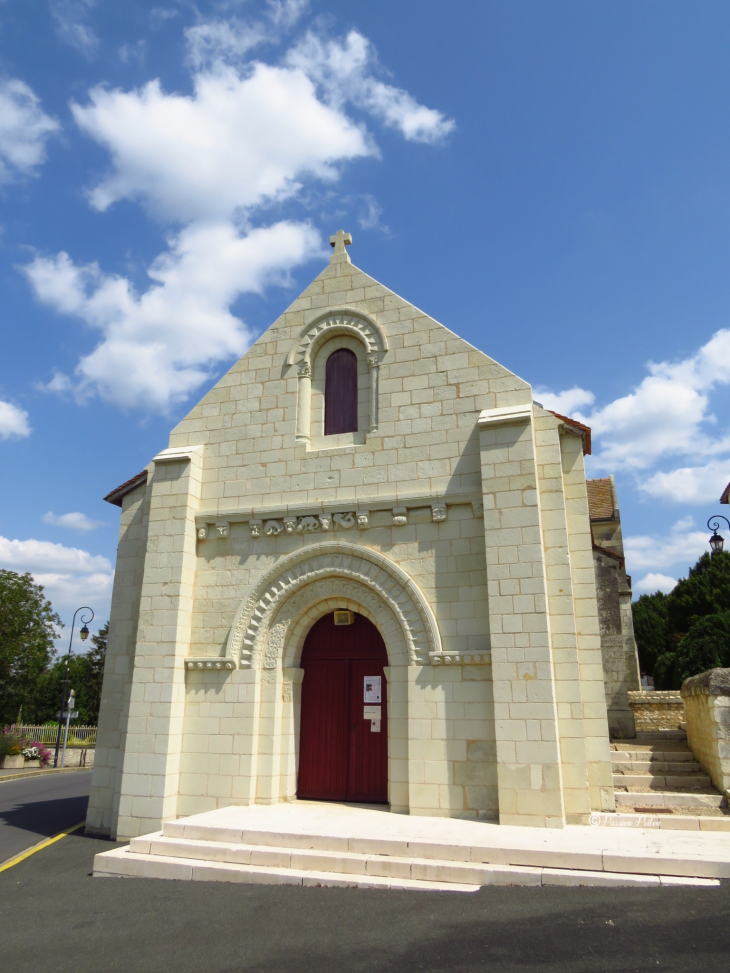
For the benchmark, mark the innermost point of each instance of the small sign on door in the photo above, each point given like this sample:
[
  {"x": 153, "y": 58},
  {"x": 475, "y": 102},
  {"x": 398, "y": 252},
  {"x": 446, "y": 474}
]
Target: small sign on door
[
  {"x": 371, "y": 713},
  {"x": 372, "y": 689}
]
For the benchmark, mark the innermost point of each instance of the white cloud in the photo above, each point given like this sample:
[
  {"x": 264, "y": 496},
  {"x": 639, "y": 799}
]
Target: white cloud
[
  {"x": 250, "y": 135},
  {"x": 35, "y": 556},
  {"x": 690, "y": 484},
  {"x": 69, "y": 17},
  {"x": 667, "y": 415},
  {"x": 159, "y": 346},
  {"x": 664, "y": 416},
  {"x": 69, "y": 591},
  {"x": 654, "y": 582},
  {"x": 232, "y": 39},
  {"x": 73, "y": 521},
  {"x": 69, "y": 575},
  {"x": 13, "y": 421},
  {"x": 236, "y": 143},
  {"x": 567, "y": 403},
  {"x": 370, "y": 213},
  {"x": 24, "y": 129},
  {"x": 344, "y": 72},
  {"x": 682, "y": 546}
]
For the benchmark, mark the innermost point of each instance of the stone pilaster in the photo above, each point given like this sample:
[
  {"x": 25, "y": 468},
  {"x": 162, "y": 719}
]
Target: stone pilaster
[
  {"x": 525, "y": 705},
  {"x": 150, "y": 780},
  {"x": 117, "y": 686}
]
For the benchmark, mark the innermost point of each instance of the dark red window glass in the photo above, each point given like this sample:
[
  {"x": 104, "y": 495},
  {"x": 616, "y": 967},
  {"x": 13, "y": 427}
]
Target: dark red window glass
[{"x": 340, "y": 392}]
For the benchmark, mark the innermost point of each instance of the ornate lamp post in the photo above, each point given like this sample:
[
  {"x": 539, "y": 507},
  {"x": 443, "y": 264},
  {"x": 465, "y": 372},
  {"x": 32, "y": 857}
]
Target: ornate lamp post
[
  {"x": 716, "y": 540},
  {"x": 83, "y": 634}
]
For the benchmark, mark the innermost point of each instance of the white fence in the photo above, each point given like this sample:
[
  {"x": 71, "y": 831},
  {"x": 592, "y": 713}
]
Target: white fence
[{"x": 78, "y": 736}]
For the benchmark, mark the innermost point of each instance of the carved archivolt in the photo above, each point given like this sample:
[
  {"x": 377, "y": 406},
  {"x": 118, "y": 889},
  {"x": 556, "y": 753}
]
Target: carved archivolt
[
  {"x": 290, "y": 624},
  {"x": 259, "y": 631},
  {"x": 339, "y": 322}
]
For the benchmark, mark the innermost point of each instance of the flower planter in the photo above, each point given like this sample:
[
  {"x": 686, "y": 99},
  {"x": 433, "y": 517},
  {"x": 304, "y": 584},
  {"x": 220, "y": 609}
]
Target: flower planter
[
  {"x": 32, "y": 764},
  {"x": 14, "y": 763}
]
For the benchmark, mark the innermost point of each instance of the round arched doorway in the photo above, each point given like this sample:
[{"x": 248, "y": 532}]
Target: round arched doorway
[{"x": 343, "y": 748}]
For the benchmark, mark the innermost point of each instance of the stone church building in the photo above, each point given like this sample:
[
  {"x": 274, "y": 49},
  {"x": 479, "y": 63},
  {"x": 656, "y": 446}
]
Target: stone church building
[{"x": 362, "y": 571}]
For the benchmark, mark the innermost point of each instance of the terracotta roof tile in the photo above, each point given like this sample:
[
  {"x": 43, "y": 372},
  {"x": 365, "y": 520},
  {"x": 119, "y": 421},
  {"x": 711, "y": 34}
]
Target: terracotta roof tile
[
  {"x": 585, "y": 431},
  {"x": 600, "y": 499},
  {"x": 121, "y": 491}
]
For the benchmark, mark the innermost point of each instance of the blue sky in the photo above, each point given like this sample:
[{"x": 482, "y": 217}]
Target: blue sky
[{"x": 549, "y": 180}]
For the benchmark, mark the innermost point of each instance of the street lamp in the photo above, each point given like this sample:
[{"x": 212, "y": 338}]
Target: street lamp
[
  {"x": 84, "y": 633},
  {"x": 716, "y": 540}
]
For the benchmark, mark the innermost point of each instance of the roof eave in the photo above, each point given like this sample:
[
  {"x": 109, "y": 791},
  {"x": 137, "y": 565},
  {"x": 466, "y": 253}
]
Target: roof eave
[{"x": 119, "y": 493}]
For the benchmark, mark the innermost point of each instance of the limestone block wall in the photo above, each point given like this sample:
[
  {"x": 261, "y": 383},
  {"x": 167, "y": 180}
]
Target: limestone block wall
[
  {"x": 445, "y": 559},
  {"x": 620, "y": 655},
  {"x": 117, "y": 684},
  {"x": 593, "y": 702},
  {"x": 241, "y": 739},
  {"x": 707, "y": 707},
  {"x": 657, "y": 710}
]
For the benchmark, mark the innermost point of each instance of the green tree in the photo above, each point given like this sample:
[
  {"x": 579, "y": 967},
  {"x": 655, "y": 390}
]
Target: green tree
[
  {"x": 28, "y": 628},
  {"x": 651, "y": 628},
  {"x": 85, "y": 674},
  {"x": 670, "y": 643},
  {"x": 705, "y": 646},
  {"x": 706, "y": 591},
  {"x": 94, "y": 674}
]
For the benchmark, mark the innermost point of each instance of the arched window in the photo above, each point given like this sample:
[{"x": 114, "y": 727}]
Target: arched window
[{"x": 340, "y": 392}]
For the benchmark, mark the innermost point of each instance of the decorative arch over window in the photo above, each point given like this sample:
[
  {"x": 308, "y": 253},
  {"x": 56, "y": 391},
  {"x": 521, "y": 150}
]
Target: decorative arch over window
[
  {"x": 340, "y": 392},
  {"x": 337, "y": 329}
]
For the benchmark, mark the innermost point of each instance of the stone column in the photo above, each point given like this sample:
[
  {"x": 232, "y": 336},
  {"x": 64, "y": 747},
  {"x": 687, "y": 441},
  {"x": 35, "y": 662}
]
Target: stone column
[
  {"x": 151, "y": 772},
  {"x": 304, "y": 402},
  {"x": 374, "y": 368},
  {"x": 526, "y": 727}
]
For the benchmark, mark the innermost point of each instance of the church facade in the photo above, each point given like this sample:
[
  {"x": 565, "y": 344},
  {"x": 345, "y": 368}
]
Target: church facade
[{"x": 362, "y": 571}]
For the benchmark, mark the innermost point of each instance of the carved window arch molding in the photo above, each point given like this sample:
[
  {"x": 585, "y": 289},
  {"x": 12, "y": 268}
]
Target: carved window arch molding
[
  {"x": 360, "y": 326},
  {"x": 371, "y": 571}
]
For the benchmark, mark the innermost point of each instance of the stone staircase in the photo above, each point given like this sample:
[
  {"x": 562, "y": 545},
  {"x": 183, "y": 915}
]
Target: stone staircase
[
  {"x": 657, "y": 773},
  {"x": 313, "y": 844}
]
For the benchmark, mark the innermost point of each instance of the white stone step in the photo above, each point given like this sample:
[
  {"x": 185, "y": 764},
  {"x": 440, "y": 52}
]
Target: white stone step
[
  {"x": 662, "y": 782},
  {"x": 660, "y": 756},
  {"x": 668, "y": 799},
  {"x": 123, "y": 863},
  {"x": 293, "y": 842},
  {"x": 622, "y": 763}
]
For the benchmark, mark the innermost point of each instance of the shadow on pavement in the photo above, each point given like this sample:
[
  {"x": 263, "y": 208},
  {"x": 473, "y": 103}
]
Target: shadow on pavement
[{"x": 46, "y": 818}]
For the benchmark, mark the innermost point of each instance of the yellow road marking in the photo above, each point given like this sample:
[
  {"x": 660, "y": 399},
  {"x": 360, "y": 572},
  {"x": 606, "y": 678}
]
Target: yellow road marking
[{"x": 39, "y": 847}]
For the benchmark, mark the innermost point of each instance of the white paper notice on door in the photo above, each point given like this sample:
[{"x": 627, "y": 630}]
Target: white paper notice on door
[
  {"x": 372, "y": 689},
  {"x": 375, "y": 726},
  {"x": 371, "y": 713}
]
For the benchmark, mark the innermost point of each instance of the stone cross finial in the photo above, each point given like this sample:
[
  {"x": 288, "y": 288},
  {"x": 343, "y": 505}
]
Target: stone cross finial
[{"x": 339, "y": 241}]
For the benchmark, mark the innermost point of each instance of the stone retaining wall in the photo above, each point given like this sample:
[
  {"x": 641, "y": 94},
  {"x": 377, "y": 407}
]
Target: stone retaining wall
[
  {"x": 78, "y": 757},
  {"x": 707, "y": 705},
  {"x": 657, "y": 710}
]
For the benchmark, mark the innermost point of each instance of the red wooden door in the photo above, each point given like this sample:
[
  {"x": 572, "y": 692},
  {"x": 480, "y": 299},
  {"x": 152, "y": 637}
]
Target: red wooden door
[{"x": 343, "y": 755}]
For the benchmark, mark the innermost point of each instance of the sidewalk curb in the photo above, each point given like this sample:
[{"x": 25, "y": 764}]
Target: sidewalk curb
[{"x": 44, "y": 773}]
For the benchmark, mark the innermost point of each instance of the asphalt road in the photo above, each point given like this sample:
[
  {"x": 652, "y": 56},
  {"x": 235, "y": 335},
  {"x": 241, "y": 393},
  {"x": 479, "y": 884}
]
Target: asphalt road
[
  {"x": 56, "y": 918},
  {"x": 39, "y": 807}
]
